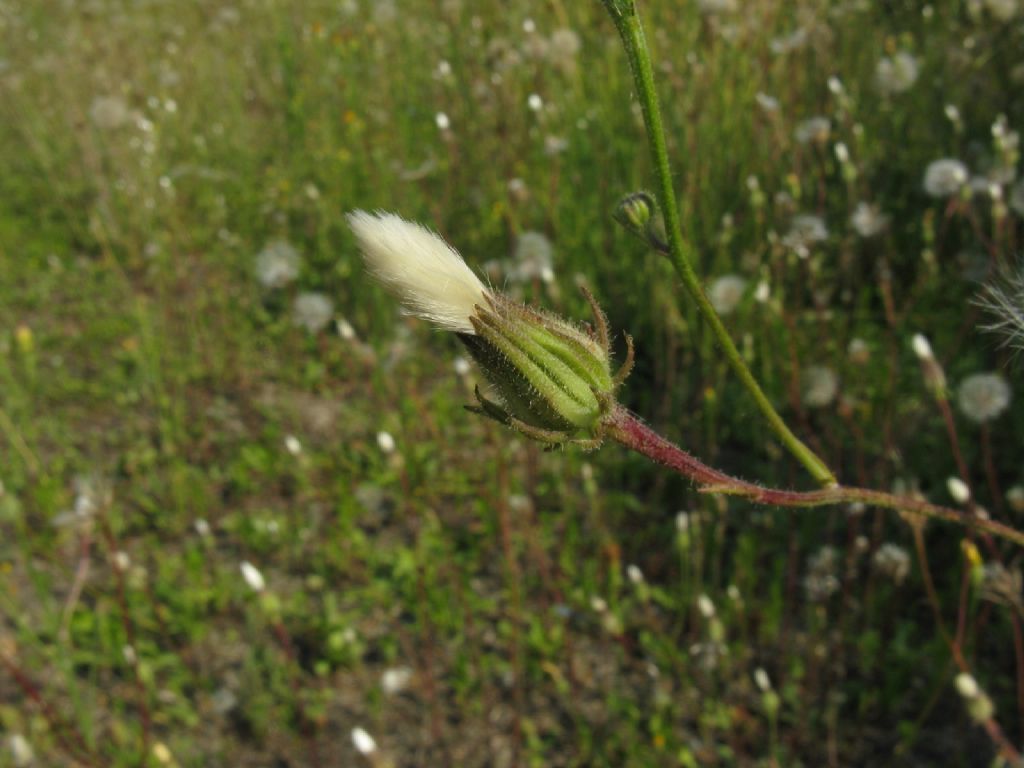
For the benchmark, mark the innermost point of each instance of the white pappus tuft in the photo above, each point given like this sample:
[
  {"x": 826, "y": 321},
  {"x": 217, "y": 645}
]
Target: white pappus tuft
[{"x": 426, "y": 274}]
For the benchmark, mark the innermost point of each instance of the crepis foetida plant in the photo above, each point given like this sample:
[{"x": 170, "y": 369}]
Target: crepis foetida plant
[{"x": 552, "y": 378}]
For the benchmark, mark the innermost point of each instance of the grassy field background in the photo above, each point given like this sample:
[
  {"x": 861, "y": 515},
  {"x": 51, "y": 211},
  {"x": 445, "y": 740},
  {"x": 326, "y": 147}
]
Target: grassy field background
[{"x": 466, "y": 598}]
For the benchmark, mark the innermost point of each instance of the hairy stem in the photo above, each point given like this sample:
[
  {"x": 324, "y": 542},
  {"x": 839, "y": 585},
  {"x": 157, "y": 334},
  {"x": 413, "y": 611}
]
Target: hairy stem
[
  {"x": 680, "y": 252},
  {"x": 625, "y": 428}
]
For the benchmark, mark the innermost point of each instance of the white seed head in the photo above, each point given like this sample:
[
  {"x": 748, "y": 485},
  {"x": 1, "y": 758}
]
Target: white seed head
[
  {"x": 983, "y": 396},
  {"x": 312, "y": 311},
  {"x": 426, "y": 274},
  {"x": 725, "y": 293},
  {"x": 945, "y": 177},
  {"x": 252, "y": 576},
  {"x": 893, "y": 561},
  {"x": 958, "y": 490},
  {"x": 364, "y": 743}
]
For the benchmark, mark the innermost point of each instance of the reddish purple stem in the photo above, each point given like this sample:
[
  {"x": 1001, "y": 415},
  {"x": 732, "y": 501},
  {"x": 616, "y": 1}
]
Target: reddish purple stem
[{"x": 626, "y": 429}]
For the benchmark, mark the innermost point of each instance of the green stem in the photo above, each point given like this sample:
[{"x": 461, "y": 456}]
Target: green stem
[{"x": 680, "y": 252}]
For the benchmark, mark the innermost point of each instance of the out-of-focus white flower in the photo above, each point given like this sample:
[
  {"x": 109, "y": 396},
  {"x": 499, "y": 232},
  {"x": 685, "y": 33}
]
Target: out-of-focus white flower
[
  {"x": 634, "y": 574},
  {"x": 563, "y": 48},
  {"x": 278, "y": 264},
  {"x": 761, "y": 679},
  {"x": 958, "y": 490},
  {"x": 345, "y": 329},
  {"x": 1003, "y": 10},
  {"x": 893, "y": 561},
  {"x": 868, "y": 220},
  {"x": 804, "y": 231},
  {"x": 922, "y": 347},
  {"x": 395, "y": 680},
  {"x": 794, "y": 41},
  {"x": 967, "y": 686},
  {"x": 22, "y": 754},
  {"x": 713, "y": 7},
  {"x": 819, "y": 386},
  {"x": 426, "y": 274},
  {"x": 762, "y": 292},
  {"x": 312, "y": 311},
  {"x": 896, "y": 74},
  {"x": 767, "y": 103},
  {"x": 858, "y": 351},
  {"x": 555, "y": 145},
  {"x": 726, "y": 292},
  {"x": 109, "y": 112},
  {"x": 364, "y": 743},
  {"x": 252, "y": 576},
  {"x": 462, "y": 366},
  {"x": 814, "y": 130},
  {"x": 821, "y": 582},
  {"x": 983, "y": 396},
  {"x": 706, "y": 606},
  {"x": 533, "y": 258},
  {"x": 442, "y": 121},
  {"x": 945, "y": 177},
  {"x": 535, "y": 102},
  {"x": 385, "y": 442},
  {"x": 292, "y": 445}
]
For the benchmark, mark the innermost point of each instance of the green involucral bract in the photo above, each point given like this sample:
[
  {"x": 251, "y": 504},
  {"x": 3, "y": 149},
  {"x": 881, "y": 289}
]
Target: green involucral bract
[{"x": 550, "y": 374}]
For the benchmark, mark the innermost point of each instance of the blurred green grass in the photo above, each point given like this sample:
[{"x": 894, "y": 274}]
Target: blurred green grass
[{"x": 152, "y": 149}]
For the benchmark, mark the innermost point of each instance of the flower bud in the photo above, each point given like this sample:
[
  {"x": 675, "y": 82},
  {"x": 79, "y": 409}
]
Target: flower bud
[
  {"x": 553, "y": 377},
  {"x": 550, "y": 374},
  {"x": 638, "y": 212}
]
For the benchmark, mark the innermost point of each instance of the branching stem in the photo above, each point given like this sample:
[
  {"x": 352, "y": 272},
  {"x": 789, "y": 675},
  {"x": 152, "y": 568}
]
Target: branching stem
[
  {"x": 680, "y": 252},
  {"x": 625, "y": 428}
]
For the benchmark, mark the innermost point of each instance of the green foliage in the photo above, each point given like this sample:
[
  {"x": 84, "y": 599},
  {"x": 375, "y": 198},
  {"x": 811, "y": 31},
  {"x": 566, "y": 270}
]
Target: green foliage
[{"x": 166, "y": 416}]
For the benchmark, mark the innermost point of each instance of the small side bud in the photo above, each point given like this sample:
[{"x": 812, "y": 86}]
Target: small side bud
[{"x": 638, "y": 212}]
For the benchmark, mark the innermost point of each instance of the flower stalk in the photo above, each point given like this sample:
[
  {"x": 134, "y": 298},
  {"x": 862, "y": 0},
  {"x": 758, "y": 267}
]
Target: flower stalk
[
  {"x": 680, "y": 252},
  {"x": 626, "y": 429}
]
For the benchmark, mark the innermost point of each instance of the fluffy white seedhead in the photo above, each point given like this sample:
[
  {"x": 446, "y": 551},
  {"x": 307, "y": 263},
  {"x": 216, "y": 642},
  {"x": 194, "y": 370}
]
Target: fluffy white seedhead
[{"x": 426, "y": 274}]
